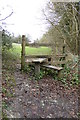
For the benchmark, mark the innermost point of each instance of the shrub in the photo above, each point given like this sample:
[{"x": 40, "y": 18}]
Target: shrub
[{"x": 6, "y": 40}]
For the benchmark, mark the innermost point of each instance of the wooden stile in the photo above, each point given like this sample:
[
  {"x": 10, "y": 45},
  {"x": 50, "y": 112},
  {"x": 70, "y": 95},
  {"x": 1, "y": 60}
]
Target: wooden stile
[{"x": 38, "y": 60}]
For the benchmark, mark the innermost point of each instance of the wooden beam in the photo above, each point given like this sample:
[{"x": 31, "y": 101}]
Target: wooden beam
[
  {"x": 52, "y": 67},
  {"x": 38, "y": 56}
]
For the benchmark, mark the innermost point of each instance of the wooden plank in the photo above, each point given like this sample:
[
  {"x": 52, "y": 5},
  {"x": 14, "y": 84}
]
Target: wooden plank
[
  {"x": 28, "y": 60},
  {"x": 36, "y": 60},
  {"x": 55, "y": 68},
  {"x": 39, "y": 60},
  {"x": 38, "y": 56},
  {"x": 52, "y": 67},
  {"x": 38, "y": 44}
]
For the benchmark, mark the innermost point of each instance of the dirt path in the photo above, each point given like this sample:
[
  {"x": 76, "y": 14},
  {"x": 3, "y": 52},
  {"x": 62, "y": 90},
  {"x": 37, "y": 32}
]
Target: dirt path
[{"x": 46, "y": 98}]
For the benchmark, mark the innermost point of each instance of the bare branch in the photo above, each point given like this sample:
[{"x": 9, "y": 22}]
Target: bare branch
[
  {"x": 75, "y": 8},
  {"x": 7, "y": 16}
]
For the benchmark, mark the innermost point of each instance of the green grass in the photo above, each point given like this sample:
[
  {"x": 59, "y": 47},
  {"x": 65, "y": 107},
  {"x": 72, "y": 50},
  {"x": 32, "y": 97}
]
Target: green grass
[
  {"x": 16, "y": 50},
  {"x": 37, "y": 51}
]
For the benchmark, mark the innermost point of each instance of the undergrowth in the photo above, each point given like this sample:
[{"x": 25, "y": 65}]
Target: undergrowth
[
  {"x": 8, "y": 80},
  {"x": 70, "y": 76}
]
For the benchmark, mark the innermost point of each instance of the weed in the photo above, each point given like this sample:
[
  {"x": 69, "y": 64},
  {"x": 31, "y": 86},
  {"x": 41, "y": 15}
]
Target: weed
[
  {"x": 75, "y": 79},
  {"x": 4, "y": 116},
  {"x": 4, "y": 105},
  {"x": 4, "y": 90},
  {"x": 40, "y": 76},
  {"x": 27, "y": 68},
  {"x": 69, "y": 76}
]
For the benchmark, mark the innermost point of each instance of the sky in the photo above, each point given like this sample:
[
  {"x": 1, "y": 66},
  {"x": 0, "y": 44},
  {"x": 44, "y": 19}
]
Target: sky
[{"x": 27, "y": 17}]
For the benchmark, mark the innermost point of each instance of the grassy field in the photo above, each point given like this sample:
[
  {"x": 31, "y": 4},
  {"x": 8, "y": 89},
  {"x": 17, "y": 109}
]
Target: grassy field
[{"x": 16, "y": 50}]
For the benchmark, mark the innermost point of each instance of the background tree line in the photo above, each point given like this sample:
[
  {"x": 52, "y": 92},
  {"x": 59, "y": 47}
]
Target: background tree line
[{"x": 63, "y": 20}]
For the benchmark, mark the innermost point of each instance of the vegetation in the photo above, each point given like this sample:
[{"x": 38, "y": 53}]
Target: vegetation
[
  {"x": 16, "y": 50},
  {"x": 63, "y": 28},
  {"x": 10, "y": 60},
  {"x": 63, "y": 23},
  {"x": 70, "y": 76},
  {"x": 18, "y": 39},
  {"x": 6, "y": 40},
  {"x": 8, "y": 80}
]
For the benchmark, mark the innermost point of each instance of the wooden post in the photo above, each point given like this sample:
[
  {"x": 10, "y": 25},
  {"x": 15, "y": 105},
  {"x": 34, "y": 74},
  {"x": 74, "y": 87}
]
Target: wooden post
[
  {"x": 56, "y": 49},
  {"x": 60, "y": 75},
  {"x": 63, "y": 49},
  {"x": 63, "y": 53},
  {"x": 37, "y": 69},
  {"x": 23, "y": 53}
]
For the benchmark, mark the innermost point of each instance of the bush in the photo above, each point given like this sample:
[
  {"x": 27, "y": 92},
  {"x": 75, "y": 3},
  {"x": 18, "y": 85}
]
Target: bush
[
  {"x": 6, "y": 40},
  {"x": 70, "y": 76}
]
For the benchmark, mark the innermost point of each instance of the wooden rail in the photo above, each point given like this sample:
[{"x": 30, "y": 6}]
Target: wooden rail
[
  {"x": 43, "y": 44},
  {"x": 38, "y": 56}
]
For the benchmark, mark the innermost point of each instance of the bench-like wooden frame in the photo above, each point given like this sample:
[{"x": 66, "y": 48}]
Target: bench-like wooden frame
[{"x": 49, "y": 57}]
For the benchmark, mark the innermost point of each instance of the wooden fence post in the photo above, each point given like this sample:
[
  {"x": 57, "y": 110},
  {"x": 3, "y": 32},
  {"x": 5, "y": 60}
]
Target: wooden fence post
[
  {"x": 23, "y": 53},
  {"x": 64, "y": 45},
  {"x": 63, "y": 48},
  {"x": 63, "y": 53}
]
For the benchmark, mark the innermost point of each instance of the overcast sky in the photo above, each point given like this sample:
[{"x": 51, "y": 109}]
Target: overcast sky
[{"x": 27, "y": 17}]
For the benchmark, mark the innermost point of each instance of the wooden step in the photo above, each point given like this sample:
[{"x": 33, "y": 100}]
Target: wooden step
[{"x": 53, "y": 67}]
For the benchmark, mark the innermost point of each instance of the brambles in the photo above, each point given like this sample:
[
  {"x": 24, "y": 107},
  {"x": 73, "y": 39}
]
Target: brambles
[{"x": 70, "y": 76}]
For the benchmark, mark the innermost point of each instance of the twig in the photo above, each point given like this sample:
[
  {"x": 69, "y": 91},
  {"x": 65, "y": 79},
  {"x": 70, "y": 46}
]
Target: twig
[{"x": 74, "y": 66}]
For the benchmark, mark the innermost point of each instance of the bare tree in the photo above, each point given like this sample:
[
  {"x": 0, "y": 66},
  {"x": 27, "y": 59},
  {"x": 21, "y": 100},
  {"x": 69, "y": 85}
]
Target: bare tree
[
  {"x": 3, "y": 17},
  {"x": 64, "y": 17}
]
